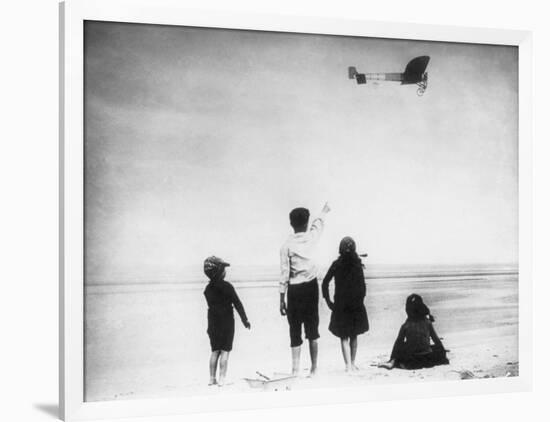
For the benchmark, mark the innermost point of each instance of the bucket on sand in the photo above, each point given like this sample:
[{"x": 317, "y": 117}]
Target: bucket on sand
[{"x": 271, "y": 384}]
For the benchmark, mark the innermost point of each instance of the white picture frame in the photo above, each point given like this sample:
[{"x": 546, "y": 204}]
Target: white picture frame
[{"x": 73, "y": 13}]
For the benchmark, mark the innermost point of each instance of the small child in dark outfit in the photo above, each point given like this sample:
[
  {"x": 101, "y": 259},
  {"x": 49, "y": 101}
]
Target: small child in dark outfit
[
  {"x": 412, "y": 348},
  {"x": 221, "y": 297},
  {"x": 349, "y": 315}
]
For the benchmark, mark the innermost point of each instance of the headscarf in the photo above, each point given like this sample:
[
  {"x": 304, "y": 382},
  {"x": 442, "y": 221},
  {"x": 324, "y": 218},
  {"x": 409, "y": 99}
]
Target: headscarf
[
  {"x": 214, "y": 267},
  {"x": 416, "y": 309}
]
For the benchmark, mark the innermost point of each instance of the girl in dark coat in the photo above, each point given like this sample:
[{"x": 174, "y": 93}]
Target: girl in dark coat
[
  {"x": 349, "y": 316},
  {"x": 412, "y": 348}
]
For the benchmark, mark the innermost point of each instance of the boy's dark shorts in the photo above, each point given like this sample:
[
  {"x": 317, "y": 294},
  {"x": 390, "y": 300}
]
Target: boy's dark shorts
[{"x": 303, "y": 308}]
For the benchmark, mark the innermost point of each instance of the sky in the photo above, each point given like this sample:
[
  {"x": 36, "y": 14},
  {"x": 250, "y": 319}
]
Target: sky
[{"x": 200, "y": 141}]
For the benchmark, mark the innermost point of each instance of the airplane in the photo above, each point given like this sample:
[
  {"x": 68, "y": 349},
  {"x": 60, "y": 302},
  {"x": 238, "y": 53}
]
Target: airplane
[{"x": 415, "y": 73}]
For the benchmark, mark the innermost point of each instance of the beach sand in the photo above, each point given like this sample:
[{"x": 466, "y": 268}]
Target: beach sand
[{"x": 149, "y": 340}]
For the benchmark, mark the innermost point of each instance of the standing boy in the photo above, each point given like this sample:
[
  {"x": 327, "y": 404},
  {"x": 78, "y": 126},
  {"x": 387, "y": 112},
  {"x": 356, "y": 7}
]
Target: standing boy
[
  {"x": 299, "y": 282},
  {"x": 221, "y": 297}
]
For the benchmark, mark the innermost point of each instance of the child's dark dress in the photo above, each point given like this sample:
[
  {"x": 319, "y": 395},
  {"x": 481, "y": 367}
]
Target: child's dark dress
[
  {"x": 221, "y": 297},
  {"x": 412, "y": 349},
  {"x": 349, "y": 316}
]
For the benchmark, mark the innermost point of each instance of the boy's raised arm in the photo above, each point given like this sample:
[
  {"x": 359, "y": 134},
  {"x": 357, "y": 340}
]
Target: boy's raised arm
[{"x": 318, "y": 224}]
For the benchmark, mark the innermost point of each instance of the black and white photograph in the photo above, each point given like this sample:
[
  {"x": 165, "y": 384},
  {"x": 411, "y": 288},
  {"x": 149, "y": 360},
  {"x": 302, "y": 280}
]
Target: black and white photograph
[
  {"x": 275, "y": 210},
  {"x": 279, "y": 211}
]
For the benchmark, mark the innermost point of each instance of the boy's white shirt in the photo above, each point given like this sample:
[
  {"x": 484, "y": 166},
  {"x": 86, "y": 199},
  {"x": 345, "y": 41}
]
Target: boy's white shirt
[{"x": 297, "y": 255}]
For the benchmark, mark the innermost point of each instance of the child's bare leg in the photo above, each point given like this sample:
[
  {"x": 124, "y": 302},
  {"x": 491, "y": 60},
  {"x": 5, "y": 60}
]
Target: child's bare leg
[
  {"x": 224, "y": 356},
  {"x": 353, "y": 352},
  {"x": 313, "y": 352},
  {"x": 296, "y": 359},
  {"x": 344, "y": 343},
  {"x": 213, "y": 366}
]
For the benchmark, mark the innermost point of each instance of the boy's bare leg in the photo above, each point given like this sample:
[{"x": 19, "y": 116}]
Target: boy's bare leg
[
  {"x": 213, "y": 366},
  {"x": 344, "y": 343},
  {"x": 224, "y": 356},
  {"x": 296, "y": 359},
  {"x": 313, "y": 351},
  {"x": 353, "y": 350}
]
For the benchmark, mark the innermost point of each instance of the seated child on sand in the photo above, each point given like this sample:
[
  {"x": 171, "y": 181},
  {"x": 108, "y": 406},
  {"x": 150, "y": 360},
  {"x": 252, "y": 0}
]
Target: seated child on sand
[
  {"x": 221, "y": 297},
  {"x": 412, "y": 348}
]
